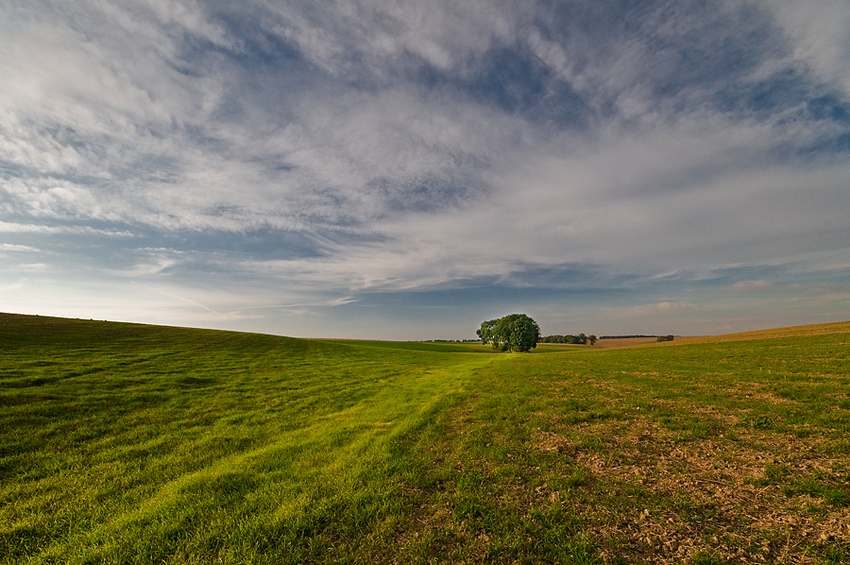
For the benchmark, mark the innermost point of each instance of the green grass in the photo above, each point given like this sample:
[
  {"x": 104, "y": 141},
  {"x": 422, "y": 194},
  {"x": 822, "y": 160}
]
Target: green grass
[{"x": 125, "y": 443}]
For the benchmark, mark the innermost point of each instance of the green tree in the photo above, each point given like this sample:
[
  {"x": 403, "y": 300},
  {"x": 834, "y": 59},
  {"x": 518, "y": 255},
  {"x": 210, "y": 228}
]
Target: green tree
[{"x": 515, "y": 332}]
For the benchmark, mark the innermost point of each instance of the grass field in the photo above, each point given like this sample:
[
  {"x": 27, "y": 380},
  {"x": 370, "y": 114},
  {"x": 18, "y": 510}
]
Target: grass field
[{"x": 125, "y": 443}]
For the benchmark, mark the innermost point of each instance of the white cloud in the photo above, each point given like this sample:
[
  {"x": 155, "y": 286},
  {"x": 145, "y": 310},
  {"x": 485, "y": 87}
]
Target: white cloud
[
  {"x": 345, "y": 37},
  {"x": 820, "y": 34},
  {"x": 752, "y": 285},
  {"x": 13, "y": 227},
  {"x": 18, "y": 248},
  {"x": 698, "y": 193}
]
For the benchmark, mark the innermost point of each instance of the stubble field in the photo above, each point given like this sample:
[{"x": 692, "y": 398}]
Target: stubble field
[{"x": 125, "y": 443}]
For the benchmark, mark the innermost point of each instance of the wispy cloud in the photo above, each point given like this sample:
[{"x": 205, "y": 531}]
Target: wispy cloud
[
  {"x": 818, "y": 37},
  {"x": 752, "y": 285},
  {"x": 11, "y": 227},
  {"x": 20, "y": 248}
]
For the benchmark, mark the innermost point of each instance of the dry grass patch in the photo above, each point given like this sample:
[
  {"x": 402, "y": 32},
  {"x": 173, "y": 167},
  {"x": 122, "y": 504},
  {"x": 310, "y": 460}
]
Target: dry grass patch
[
  {"x": 551, "y": 441},
  {"x": 795, "y": 332},
  {"x": 714, "y": 496}
]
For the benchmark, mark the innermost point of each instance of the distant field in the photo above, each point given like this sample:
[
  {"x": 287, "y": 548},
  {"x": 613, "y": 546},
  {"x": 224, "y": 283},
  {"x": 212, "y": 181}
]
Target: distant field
[{"x": 126, "y": 443}]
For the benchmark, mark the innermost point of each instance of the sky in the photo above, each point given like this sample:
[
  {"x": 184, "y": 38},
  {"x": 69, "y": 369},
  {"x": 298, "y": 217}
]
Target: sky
[{"x": 408, "y": 169}]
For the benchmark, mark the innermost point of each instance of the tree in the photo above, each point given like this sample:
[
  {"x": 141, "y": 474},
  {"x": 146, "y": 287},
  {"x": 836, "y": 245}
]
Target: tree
[
  {"x": 579, "y": 339},
  {"x": 515, "y": 332}
]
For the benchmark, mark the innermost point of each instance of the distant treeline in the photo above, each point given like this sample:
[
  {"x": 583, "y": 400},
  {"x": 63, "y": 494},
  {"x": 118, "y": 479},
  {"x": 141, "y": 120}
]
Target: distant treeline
[
  {"x": 625, "y": 336},
  {"x": 579, "y": 339},
  {"x": 668, "y": 337}
]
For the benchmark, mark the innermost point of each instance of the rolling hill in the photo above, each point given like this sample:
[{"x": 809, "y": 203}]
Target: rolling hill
[{"x": 126, "y": 443}]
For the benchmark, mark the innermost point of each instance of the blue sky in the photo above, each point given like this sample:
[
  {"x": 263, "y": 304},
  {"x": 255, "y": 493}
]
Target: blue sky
[{"x": 406, "y": 170}]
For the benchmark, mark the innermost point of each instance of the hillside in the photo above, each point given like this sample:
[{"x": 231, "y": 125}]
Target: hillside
[
  {"x": 125, "y": 443},
  {"x": 800, "y": 332}
]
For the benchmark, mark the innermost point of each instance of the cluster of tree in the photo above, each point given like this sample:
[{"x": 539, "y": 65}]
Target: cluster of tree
[
  {"x": 579, "y": 339},
  {"x": 625, "y": 336},
  {"x": 515, "y": 332},
  {"x": 659, "y": 337}
]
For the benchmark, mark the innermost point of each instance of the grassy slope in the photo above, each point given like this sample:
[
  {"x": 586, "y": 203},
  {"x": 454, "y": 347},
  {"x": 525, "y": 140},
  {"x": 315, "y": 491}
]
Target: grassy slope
[{"x": 123, "y": 443}]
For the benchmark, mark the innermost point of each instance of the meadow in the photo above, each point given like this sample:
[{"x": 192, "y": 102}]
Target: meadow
[{"x": 124, "y": 443}]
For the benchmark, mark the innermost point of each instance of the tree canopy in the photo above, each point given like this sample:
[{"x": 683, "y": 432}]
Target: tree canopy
[{"x": 515, "y": 332}]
